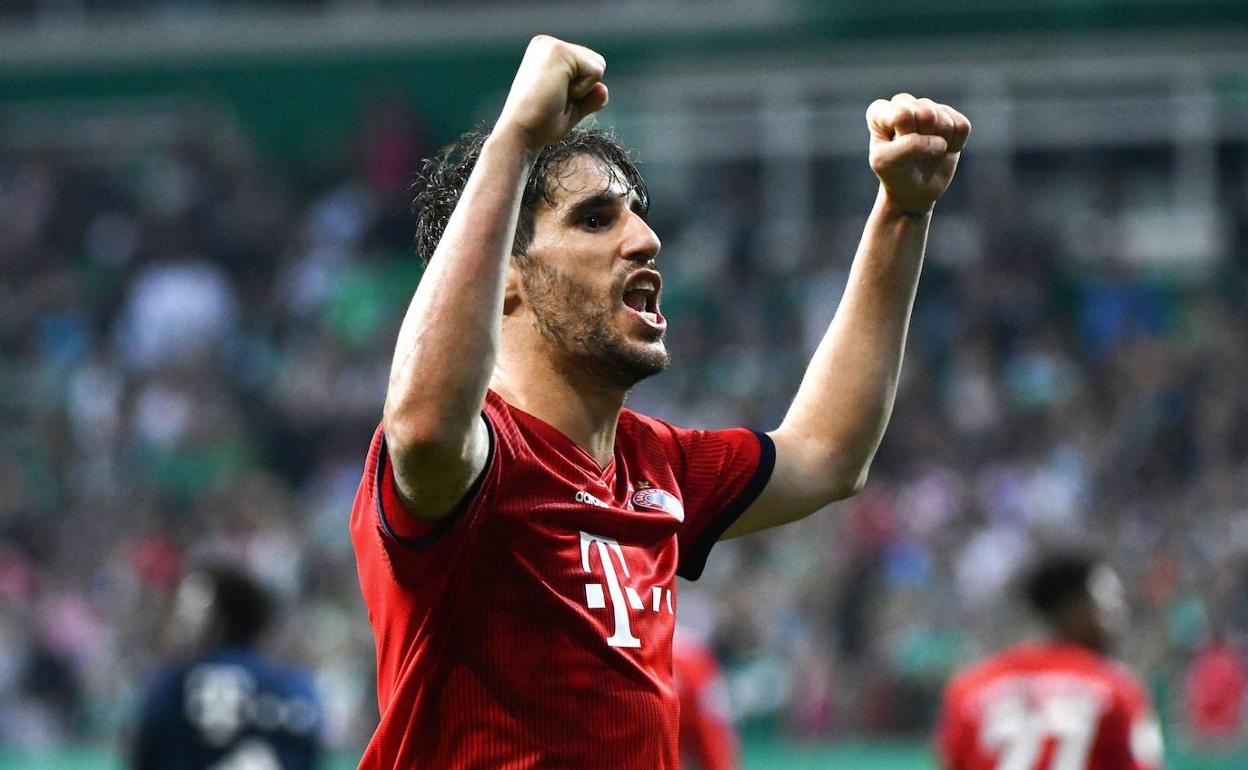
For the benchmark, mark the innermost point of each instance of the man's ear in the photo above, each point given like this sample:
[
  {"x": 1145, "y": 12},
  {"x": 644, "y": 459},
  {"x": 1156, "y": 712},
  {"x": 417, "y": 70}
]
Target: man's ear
[{"x": 512, "y": 287}]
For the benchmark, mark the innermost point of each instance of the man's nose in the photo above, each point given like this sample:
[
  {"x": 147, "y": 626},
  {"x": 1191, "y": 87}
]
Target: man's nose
[{"x": 641, "y": 244}]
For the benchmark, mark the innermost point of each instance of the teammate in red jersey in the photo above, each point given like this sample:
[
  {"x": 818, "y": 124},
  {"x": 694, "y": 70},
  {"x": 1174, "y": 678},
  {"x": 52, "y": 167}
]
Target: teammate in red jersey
[
  {"x": 1058, "y": 704},
  {"x": 708, "y": 741},
  {"x": 517, "y": 531}
]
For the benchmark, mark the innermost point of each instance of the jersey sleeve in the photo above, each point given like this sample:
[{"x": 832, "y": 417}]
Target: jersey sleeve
[
  {"x": 954, "y": 732},
  {"x": 157, "y": 723},
  {"x": 394, "y": 547},
  {"x": 720, "y": 473},
  {"x": 1144, "y": 736},
  {"x": 380, "y": 496},
  {"x": 309, "y": 730},
  {"x": 1129, "y": 736},
  {"x": 1112, "y": 749}
]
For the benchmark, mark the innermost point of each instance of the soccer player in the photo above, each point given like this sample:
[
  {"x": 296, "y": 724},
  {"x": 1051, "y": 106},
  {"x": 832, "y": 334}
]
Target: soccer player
[
  {"x": 1059, "y": 703},
  {"x": 228, "y": 707},
  {"x": 517, "y": 531}
]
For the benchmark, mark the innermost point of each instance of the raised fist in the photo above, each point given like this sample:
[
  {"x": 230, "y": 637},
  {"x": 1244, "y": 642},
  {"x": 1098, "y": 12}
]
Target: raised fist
[
  {"x": 557, "y": 85},
  {"x": 915, "y": 146}
]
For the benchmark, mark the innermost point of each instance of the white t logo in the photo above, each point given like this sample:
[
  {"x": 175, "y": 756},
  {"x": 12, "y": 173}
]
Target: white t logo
[{"x": 623, "y": 634}]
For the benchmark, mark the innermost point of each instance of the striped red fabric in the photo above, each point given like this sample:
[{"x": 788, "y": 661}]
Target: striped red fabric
[{"x": 534, "y": 627}]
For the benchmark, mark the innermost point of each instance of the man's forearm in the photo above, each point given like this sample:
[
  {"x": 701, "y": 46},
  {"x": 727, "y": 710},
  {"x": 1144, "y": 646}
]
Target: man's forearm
[
  {"x": 825, "y": 445},
  {"x": 846, "y": 396},
  {"x": 447, "y": 344}
]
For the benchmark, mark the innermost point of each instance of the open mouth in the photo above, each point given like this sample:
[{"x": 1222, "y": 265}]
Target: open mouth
[{"x": 641, "y": 295}]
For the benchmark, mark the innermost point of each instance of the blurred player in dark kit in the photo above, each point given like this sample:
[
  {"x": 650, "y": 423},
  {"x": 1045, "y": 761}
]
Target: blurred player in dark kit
[
  {"x": 228, "y": 707},
  {"x": 517, "y": 531},
  {"x": 1059, "y": 703}
]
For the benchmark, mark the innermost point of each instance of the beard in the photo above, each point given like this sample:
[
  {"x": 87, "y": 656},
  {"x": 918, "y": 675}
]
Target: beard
[{"x": 577, "y": 322}]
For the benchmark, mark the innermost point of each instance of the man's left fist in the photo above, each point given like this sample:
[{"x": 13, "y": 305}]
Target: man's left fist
[{"x": 915, "y": 146}]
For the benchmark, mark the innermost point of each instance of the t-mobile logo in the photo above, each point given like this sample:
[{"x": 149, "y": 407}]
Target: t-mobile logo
[{"x": 622, "y": 596}]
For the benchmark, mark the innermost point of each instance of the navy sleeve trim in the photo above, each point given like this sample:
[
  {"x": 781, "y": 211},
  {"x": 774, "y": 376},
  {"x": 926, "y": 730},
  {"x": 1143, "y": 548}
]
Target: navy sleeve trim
[
  {"x": 444, "y": 524},
  {"x": 692, "y": 564}
]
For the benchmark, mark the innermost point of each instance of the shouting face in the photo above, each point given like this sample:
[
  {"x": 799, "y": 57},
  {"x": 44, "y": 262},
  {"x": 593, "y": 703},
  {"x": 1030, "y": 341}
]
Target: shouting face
[{"x": 590, "y": 281}]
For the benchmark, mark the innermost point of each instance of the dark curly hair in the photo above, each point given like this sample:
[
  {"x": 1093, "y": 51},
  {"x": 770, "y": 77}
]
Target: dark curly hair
[
  {"x": 241, "y": 606},
  {"x": 1056, "y": 579},
  {"x": 442, "y": 179}
]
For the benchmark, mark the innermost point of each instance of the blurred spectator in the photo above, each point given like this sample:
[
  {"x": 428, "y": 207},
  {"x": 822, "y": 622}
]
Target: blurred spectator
[
  {"x": 226, "y": 706},
  {"x": 1215, "y": 696}
]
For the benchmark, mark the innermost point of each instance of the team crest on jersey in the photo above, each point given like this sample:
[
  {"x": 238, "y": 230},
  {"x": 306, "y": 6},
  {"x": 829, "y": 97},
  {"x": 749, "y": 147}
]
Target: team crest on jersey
[{"x": 658, "y": 500}]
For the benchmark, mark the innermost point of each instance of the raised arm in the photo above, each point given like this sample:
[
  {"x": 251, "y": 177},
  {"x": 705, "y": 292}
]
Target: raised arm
[
  {"x": 826, "y": 442},
  {"x": 449, "y": 338}
]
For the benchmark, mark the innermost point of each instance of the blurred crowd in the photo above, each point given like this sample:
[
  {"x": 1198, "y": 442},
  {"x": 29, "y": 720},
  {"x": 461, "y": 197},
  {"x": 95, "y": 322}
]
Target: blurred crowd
[{"x": 194, "y": 350}]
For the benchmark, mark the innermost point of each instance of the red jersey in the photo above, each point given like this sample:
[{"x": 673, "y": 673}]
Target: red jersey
[
  {"x": 707, "y": 738},
  {"x": 533, "y": 627},
  {"x": 1048, "y": 707}
]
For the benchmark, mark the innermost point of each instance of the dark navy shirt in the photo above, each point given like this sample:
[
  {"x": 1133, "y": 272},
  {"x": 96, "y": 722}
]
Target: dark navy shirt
[{"x": 230, "y": 710}]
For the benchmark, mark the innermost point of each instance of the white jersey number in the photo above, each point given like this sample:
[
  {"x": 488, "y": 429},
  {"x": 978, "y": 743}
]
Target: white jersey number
[{"x": 1016, "y": 728}]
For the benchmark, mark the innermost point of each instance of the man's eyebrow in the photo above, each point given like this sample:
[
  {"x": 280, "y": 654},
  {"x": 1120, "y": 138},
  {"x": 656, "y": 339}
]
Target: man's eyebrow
[{"x": 604, "y": 199}]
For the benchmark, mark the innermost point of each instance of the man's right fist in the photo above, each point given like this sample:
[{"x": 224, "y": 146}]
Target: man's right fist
[{"x": 557, "y": 85}]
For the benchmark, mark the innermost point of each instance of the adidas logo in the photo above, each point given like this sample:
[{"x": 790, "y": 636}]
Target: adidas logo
[{"x": 588, "y": 499}]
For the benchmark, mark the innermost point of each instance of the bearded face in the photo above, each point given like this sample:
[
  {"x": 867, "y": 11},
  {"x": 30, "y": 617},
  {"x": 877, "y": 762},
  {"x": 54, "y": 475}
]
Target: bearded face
[
  {"x": 590, "y": 281},
  {"x": 584, "y": 325}
]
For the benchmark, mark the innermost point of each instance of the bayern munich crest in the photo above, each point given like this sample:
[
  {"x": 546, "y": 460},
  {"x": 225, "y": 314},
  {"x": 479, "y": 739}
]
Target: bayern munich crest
[{"x": 658, "y": 500}]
